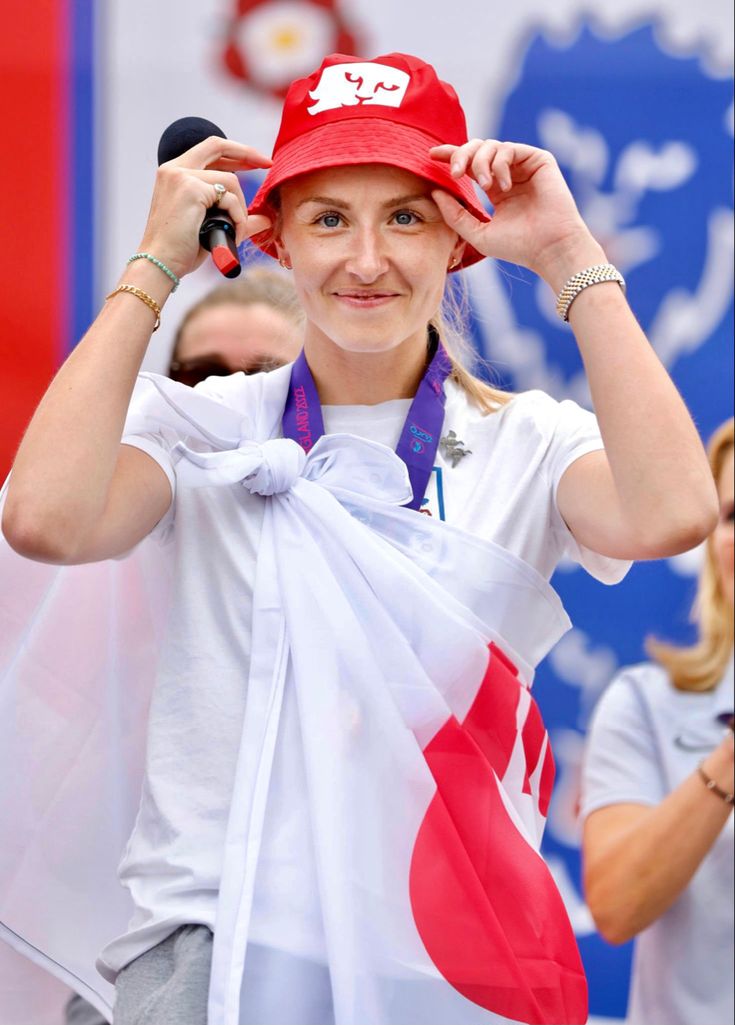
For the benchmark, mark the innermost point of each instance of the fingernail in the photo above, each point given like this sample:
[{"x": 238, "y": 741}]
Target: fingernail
[
  {"x": 484, "y": 181},
  {"x": 456, "y": 167}
]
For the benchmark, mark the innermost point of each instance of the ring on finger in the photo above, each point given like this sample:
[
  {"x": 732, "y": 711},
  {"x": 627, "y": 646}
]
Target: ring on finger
[{"x": 221, "y": 192}]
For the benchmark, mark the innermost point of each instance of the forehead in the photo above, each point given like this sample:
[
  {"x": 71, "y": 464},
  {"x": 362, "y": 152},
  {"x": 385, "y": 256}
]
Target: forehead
[
  {"x": 235, "y": 328},
  {"x": 356, "y": 182}
]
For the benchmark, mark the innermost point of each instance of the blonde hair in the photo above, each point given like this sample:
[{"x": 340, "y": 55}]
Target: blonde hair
[
  {"x": 700, "y": 666},
  {"x": 257, "y": 285},
  {"x": 450, "y": 324}
]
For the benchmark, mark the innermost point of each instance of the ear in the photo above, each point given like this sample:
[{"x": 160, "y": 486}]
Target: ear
[
  {"x": 278, "y": 244},
  {"x": 457, "y": 253},
  {"x": 282, "y": 254}
]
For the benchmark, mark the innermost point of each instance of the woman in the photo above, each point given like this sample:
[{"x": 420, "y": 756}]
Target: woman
[
  {"x": 658, "y": 796},
  {"x": 324, "y": 853},
  {"x": 252, "y": 324}
]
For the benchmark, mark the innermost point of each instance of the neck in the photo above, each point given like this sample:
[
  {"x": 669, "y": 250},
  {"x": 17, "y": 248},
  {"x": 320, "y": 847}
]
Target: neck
[{"x": 347, "y": 378}]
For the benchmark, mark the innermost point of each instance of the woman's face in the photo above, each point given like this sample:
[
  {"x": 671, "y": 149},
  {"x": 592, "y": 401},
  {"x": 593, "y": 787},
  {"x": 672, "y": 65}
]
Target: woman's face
[
  {"x": 370, "y": 253},
  {"x": 241, "y": 336},
  {"x": 723, "y": 538}
]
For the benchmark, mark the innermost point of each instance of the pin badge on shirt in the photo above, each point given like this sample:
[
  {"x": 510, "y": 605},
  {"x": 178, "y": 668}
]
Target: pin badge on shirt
[{"x": 452, "y": 448}]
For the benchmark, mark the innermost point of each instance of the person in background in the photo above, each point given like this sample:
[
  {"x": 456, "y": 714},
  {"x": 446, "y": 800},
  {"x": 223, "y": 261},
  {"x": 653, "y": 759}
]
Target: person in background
[
  {"x": 658, "y": 797},
  {"x": 252, "y": 324}
]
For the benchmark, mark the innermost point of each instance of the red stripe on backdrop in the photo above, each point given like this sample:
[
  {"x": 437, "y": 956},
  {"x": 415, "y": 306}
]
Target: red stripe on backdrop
[{"x": 34, "y": 203}]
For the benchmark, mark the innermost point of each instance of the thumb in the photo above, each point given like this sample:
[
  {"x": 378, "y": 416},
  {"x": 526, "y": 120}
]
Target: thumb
[
  {"x": 256, "y": 224},
  {"x": 459, "y": 218}
]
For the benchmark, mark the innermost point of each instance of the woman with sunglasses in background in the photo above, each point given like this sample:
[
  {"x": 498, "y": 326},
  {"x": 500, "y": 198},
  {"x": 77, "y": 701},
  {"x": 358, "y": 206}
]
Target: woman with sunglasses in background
[
  {"x": 658, "y": 798},
  {"x": 347, "y": 777},
  {"x": 251, "y": 325}
]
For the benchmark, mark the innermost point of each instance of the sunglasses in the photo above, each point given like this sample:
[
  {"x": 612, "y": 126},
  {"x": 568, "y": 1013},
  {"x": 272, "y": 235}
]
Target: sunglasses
[{"x": 193, "y": 371}]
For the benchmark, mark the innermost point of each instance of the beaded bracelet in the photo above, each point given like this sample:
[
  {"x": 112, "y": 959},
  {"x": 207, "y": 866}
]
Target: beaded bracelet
[
  {"x": 143, "y": 296},
  {"x": 162, "y": 266},
  {"x": 711, "y": 785},
  {"x": 578, "y": 282}
]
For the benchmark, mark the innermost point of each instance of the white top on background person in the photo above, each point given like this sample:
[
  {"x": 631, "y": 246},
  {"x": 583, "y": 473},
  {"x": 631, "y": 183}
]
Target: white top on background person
[
  {"x": 658, "y": 838},
  {"x": 370, "y": 202}
]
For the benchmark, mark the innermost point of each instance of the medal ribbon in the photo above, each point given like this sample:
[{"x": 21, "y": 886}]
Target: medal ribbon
[{"x": 419, "y": 440}]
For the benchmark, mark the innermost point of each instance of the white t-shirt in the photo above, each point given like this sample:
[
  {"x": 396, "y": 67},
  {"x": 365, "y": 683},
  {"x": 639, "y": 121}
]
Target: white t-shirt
[
  {"x": 645, "y": 739},
  {"x": 503, "y": 491}
]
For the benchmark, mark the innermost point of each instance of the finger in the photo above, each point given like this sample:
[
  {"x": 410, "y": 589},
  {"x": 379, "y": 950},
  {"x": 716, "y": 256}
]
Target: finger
[
  {"x": 458, "y": 157},
  {"x": 246, "y": 225},
  {"x": 230, "y": 204},
  {"x": 230, "y": 181},
  {"x": 207, "y": 153},
  {"x": 481, "y": 166},
  {"x": 255, "y": 161},
  {"x": 516, "y": 163},
  {"x": 225, "y": 164},
  {"x": 256, "y": 224},
  {"x": 463, "y": 157},
  {"x": 459, "y": 218},
  {"x": 502, "y": 163},
  {"x": 444, "y": 153}
]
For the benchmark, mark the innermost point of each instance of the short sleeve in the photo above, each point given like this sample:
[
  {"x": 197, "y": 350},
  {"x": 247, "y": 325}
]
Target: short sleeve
[
  {"x": 575, "y": 434},
  {"x": 155, "y": 446},
  {"x": 620, "y": 762},
  {"x": 158, "y": 444}
]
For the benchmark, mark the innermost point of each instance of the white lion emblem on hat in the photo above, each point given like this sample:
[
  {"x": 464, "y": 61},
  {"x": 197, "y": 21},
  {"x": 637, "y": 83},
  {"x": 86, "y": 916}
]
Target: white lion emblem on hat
[{"x": 366, "y": 84}]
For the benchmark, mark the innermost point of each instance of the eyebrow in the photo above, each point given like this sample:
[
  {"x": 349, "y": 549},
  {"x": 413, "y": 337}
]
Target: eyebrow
[{"x": 341, "y": 204}]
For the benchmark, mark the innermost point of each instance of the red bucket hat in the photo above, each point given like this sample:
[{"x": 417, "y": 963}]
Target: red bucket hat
[{"x": 389, "y": 110}]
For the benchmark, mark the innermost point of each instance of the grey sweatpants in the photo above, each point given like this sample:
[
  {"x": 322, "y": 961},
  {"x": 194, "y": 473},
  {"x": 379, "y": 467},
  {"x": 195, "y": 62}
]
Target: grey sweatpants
[
  {"x": 169, "y": 985},
  {"x": 80, "y": 1012}
]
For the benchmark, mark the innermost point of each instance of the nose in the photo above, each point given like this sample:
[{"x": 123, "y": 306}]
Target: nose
[{"x": 367, "y": 260}]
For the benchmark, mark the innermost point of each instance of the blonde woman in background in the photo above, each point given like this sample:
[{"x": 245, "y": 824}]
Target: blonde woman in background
[
  {"x": 658, "y": 799},
  {"x": 253, "y": 324}
]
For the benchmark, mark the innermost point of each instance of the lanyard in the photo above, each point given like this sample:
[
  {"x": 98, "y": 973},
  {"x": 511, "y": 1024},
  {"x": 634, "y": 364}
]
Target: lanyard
[{"x": 417, "y": 445}]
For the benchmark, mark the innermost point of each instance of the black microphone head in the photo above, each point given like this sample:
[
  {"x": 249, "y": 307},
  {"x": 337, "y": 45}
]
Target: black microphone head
[{"x": 183, "y": 134}]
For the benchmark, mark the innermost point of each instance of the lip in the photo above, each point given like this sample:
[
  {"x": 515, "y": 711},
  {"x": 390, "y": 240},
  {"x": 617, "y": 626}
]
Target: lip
[{"x": 365, "y": 300}]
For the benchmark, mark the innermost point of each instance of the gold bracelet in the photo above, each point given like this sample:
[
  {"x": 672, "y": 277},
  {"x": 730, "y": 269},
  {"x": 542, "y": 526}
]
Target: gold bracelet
[
  {"x": 711, "y": 785},
  {"x": 143, "y": 296},
  {"x": 578, "y": 282}
]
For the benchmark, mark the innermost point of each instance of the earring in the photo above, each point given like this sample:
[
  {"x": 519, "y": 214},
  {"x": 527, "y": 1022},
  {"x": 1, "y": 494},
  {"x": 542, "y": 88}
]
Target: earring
[
  {"x": 454, "y": 263},
  {"x": 284, "y": 264}
]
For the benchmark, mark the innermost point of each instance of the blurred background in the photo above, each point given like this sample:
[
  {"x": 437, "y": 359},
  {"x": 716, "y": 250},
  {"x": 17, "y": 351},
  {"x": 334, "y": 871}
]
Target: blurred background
[{"x": 633, "y": 97}]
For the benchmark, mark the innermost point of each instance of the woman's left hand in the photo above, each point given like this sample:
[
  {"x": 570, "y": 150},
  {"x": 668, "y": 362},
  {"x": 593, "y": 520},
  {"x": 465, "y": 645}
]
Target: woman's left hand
[{"x": 535, "y": 223}]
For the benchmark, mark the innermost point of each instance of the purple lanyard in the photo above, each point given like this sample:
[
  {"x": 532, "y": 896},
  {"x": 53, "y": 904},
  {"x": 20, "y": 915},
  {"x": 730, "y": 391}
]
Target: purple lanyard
[{"x": 417, "y": 445}]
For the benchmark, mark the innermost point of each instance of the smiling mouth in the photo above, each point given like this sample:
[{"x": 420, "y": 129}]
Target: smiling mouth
[{"x": 365, "y": 299}]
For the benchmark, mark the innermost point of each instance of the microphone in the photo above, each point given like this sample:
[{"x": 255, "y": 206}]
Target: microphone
[{"x": 217, "y": 233}]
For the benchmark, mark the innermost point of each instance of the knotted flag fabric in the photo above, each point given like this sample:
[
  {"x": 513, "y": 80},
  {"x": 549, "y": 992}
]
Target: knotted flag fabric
[{"x": 388, "y": 715}]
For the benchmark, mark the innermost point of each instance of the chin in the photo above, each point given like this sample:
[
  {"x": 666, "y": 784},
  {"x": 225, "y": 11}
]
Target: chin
[
  {"x": 365, "y": 345},
  {"x": 364, "y": 337}
]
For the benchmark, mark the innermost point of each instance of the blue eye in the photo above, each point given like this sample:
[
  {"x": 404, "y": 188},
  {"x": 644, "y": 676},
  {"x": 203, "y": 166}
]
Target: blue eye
[
  {"x": 405, "y": 217},
  {"x": 330, "y": 220}
]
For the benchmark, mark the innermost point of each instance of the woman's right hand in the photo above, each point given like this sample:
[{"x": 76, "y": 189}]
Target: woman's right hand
[{"x": 183, "y": 193}]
